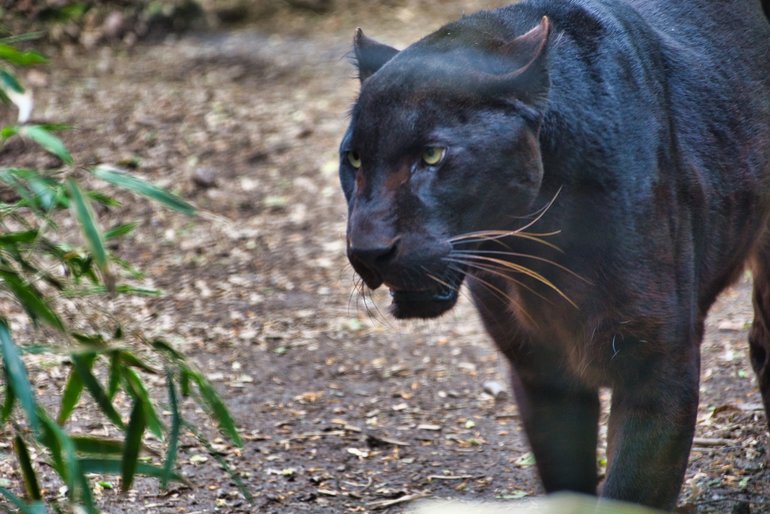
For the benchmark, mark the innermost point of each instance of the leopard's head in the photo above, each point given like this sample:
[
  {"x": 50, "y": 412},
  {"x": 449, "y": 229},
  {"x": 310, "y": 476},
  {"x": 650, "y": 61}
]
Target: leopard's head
[{"x": 442, "y": 146}]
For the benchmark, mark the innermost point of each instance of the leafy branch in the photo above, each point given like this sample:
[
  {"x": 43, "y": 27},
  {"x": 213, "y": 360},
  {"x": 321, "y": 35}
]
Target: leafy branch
[{"x": 40, "y": 268}]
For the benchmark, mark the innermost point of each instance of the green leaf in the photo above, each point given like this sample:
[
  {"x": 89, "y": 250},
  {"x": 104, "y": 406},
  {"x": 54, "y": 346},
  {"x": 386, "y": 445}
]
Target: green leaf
[
  {"x": 137, "y": 185},
  {"x": 119, "y": 230},
  {"x": 217, "y": 407},
  {"x": 35, "y": 508},
  {"x": 115, "y": 369},
  {"x": 32, "y": 301},
  {"x": 8, "y": 131},
  {"x": 8, "y": 81},
  {"x": 18, "y": 379},
  {"x": 114, "y": 467},
  {"x": 74, "y": 476},
  {"x": 14, "y": 56},
  {"x": 49, "y": 439},
  {"x": 184, "y": 382},
  {"x": 15, "y": 238},
  {"x": 103, "y": 199},
  {"x": 91, "y": 230},
  {"x": 28, "y": 474},
  {"x": 136, "y": 386},
  {"x": 134, "y": 272},
  {"x": 47, "y": 193},
  {"x": 173, "y": 436},
  {"x": 165, "y": 347},
  {"x": 72, "y": 391},
  {"x": 123, "y": 289},
  {"x": 48, "y": 141},
  {"x": 8, "y": 402},
  {"x": 81, "y": 365},
  {"x": 129, "y": 359},
  {"x": 20, "y": 38},
  {"x": 98, "y": 445},
  {"x": 133, "y": 444},
  {"x": 64, "y": 12},
  {"x": 93, "y": 340},
  {"x": 15, "y": 500}
]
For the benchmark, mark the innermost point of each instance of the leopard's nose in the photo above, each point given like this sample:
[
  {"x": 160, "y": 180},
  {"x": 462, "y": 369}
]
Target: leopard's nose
[{"x": 371, "y": 261}]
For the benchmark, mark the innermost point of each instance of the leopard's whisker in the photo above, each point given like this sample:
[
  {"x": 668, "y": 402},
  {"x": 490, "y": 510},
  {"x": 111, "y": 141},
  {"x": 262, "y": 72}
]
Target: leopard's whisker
[
  {"x": 494, "y": 270},
  {"x": 518, "y": 268},
  {"x": 473, "y": 253},
  {"x": 497, "y": 235},
  {"x": 501, "y": 295},
  {"x": 486, "y": 235},
  {"x": 438, "y": 280},
  {"x": 542, "y": 211}
]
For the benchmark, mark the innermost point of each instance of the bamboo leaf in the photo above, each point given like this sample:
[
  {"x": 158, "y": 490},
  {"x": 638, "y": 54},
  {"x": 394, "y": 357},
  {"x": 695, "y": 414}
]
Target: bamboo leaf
[
  {"x": 32, "y": 301},
  {"x": 114, "y": 467},
  {"x": 173, "y": 437},
  {"x": 21, "y": 505},
  {"x": 48, "y": 193},
  {"x": 136, "y": 386},
  {"x": 50, "y": 143},
  {"x": 91, "y": 231},
  {"x": 19, "y": 38},
  {"x": 184, "y": 382},
  {"x": 70, "y": 397},
  {"x": 114, "y": 380},
  {"x": 119, "y": 231},
  {"x": 10, "y": 54},
  {"x": 122, "y": 179},
  {"x": 217, "y": 407},
  {"x": 15, "y": 238},
  {"x": 123, "y": 289},
  {"x": 129, "y": 359},
  {"x": 15, "y": 500},
  {"x": 18, "y": 379},
  {"x": 83, "y": 369},
  {"x": 28, "y": 474},
  {"x": 35, "y": 508},
  {"x": 8, "y": 81},
  {"x": 56, "y": 437},
  {"x": 9, "y": 401},
  {"x": 75, "y": 477},
  {"x": 8, "y": 131},
  {"x": 98, "y": 445},
  {"x": 133, "y": 444},
  {"x": 49, "y": 439},
  {"x": 95, "y": 341},
  {"x": 103, "y": 199},
  {"x": 72, "y": 391},
  {"x": 165, "y": 347}
]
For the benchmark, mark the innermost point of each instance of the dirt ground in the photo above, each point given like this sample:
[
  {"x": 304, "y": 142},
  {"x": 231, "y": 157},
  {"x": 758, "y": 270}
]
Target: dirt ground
[{"x": 342, "y": 408}]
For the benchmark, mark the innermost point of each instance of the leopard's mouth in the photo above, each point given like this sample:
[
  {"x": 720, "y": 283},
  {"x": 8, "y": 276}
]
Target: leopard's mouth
[{"x": 424, "y": 303}]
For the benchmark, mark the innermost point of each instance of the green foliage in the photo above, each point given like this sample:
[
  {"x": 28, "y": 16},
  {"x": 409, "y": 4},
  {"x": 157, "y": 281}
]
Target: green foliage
[{"x": 41, "y": 266}]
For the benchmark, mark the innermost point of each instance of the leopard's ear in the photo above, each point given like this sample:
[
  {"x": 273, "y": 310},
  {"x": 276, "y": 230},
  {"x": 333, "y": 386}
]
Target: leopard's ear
[
  {"x": 370, "y": 54},
  {"x": 529, "y": 80}
]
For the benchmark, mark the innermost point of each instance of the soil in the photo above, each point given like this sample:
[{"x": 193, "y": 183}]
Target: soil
[{"x": 342, "y": 408}]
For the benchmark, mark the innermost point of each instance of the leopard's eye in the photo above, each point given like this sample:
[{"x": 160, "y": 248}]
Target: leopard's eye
[
  {"x": 432, "y": 155},
  {"x": 354, "y": 159}
]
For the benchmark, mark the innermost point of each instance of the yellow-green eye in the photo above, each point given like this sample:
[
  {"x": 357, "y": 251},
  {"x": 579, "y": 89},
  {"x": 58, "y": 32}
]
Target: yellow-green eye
[
  {"x": 433, "y": 155},
  {"x": 354, "y": 159}
]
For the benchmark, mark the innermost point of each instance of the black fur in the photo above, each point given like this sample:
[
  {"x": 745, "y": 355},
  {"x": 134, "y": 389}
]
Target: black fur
[{"x": 633, "y": 139}]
